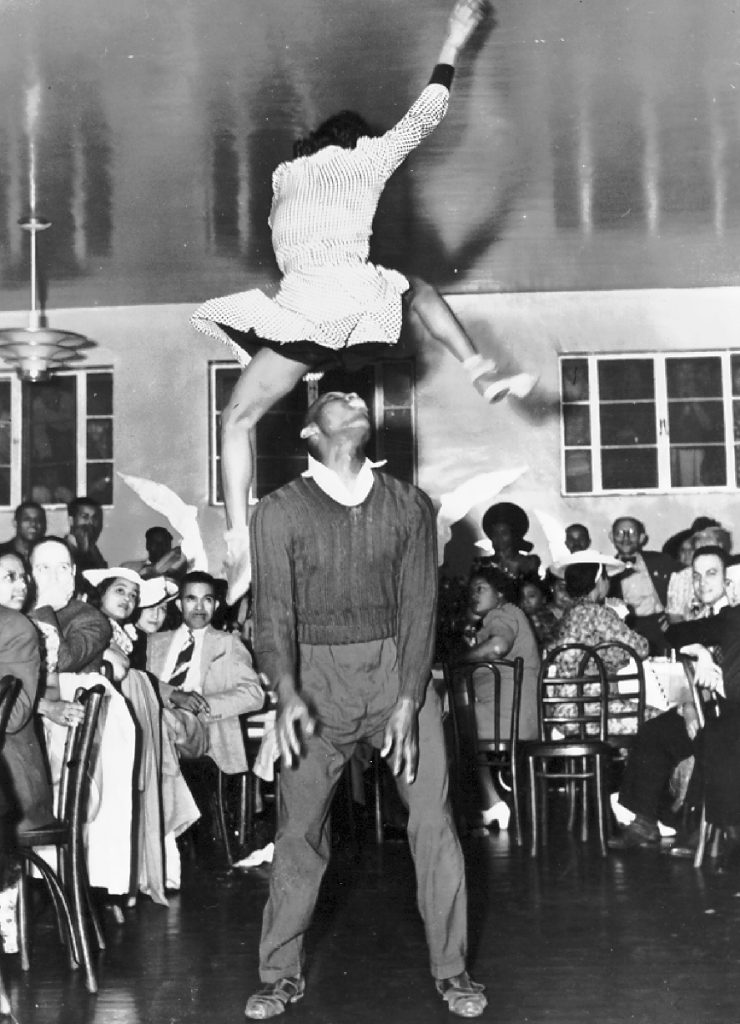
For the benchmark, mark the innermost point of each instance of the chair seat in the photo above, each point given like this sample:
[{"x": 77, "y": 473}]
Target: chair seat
[
  {"x": 565, "y": 748},
  {"x": 53, "y": 833}
]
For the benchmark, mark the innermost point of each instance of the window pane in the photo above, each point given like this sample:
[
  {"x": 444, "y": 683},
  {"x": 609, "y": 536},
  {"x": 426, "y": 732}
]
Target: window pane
[
  {"x": 574, "y": 380},
  {"x": 396, "y": 443},
  {"x": 4, "y": 486},
  {"x": 578, "y": 472},
  {"x": 625, "y": 379},
  {"x": 689, "y": 422},
  {"x": 100, "y": 482},
  {"x": 398, "y": 379},
  {"x": 698, "y": 467},
  {"x": 736, "y": 419},
  {"x": 735, "y": 365},
  {"x": 4, "y": 425},
  {"x": 694, "y": 377},
  {"x": 627, "y": 423},
  {"x": 99, "y": 439},
  {"x": 50, "y": 440},
  {"x": 99, "y": 394},
  {"x": 226, "y": 378},
  {"x": 280, "y": 450},
  {"x": 629, "y": 468},
  {"x": 576, "y": 425}
]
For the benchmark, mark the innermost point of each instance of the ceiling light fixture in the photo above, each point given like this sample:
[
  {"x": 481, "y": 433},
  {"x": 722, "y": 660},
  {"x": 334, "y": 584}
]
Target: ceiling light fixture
[{"x": 37, "y": 351}]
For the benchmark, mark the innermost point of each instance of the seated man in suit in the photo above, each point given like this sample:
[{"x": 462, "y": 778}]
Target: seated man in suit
[
  {"x": 643, "y": 586},
  {"x": 206, "y": 679}
]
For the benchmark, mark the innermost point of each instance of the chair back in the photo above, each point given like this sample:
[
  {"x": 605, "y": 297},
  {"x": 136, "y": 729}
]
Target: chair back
[
  {"x": 74, "y": 781},
  {"x": 504, "y": 732},
  {"x": 573, "y": 698},
  {"x": 626, "y": 690},
  {"x": 9, "y": 687}
]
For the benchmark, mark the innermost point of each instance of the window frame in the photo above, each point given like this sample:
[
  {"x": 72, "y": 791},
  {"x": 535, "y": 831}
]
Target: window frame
[
  {"x": 660, "y": 399},
  {"x": 379, "y": 408},
  {"x": 82, "y": 461}
]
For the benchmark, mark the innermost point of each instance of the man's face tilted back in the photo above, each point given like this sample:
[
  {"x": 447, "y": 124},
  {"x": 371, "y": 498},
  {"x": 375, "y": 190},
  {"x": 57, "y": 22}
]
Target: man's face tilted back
[
  {"x": 197, "y": 604},
  {"x": 334, "y": 416}
]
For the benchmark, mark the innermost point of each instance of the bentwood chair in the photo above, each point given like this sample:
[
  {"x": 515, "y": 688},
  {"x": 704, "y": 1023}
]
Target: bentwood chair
[
  {"x": 573, "y": 747},
  {"x": 69, "y": 889},
  {"x": 498, "y": 747}
]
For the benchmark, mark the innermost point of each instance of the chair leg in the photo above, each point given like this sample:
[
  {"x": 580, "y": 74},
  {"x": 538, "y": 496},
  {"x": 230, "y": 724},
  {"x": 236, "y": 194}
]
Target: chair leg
[
  {"x": 600, "y": 803},
  {"x": 5, "y": 1008},
  {"x": 61, "y": 906},
  {"x": 221, "y": 815},
  {"x": 79, "y": 904},
  {"x": 245, "y": 788},
  {"x": 703, "y": 836},
  {"x": 515, "y": 799},
  {"x": 583, "y": 790},
  {"x": 532, "y": 778},
  {"x": 22, "y": 914},
  {"x": 378, "y": 797}
]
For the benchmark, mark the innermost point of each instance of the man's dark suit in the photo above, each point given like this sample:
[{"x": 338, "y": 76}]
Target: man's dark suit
[{"x": 25, "y": 782}]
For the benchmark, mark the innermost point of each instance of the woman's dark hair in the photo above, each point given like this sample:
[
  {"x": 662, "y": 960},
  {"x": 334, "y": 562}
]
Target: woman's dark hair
[
  {"x": 501, "y": 582},
  {"x": 536, "y": 581},
  {"x": 342, "y": 129},
  {"x": 580, "y": 579},
  {"x": 95, "y": 595}
]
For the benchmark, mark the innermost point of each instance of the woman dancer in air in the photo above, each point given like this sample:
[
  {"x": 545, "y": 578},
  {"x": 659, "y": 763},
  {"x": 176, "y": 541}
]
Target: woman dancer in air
[{"x": 333, "y": 306}]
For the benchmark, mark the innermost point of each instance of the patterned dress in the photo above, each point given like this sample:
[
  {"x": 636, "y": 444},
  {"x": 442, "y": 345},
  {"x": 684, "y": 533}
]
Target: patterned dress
[
  {"x": 587, "y": 622},
  {"x": 321, "y": 219}
]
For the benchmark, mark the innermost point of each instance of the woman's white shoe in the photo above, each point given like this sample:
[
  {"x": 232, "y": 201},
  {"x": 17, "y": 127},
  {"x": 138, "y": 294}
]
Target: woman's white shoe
[{"x": 499, "y": 814}]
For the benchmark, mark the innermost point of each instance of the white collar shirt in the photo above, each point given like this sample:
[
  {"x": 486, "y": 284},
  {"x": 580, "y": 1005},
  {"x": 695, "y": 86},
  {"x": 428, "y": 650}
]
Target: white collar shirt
[{"x": 330, "y": 483}]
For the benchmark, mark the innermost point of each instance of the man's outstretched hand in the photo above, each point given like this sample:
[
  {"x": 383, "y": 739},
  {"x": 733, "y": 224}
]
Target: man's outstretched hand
[{"x": 401, "y": 739}]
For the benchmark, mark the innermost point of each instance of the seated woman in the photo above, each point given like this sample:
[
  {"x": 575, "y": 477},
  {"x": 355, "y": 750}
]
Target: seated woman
[
  {"x": 591, "y": 621},
  {"x": 26, "y": 778},
  {"x": 504, "y": 632},
  {"x": 155, "y": 596},
  {"x": 165, "y": 804},
  {"x": 534, "y": 594}
]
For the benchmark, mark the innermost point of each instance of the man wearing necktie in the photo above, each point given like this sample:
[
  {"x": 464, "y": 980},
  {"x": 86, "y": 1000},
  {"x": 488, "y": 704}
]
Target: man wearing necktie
[
  {"x": 643, "y": 586},
  {"x": 206, "y": 679}
]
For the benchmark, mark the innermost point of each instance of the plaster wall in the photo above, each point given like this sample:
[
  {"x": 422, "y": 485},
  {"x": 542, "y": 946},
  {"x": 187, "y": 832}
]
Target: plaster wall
[{"x": 161, "y": 406}]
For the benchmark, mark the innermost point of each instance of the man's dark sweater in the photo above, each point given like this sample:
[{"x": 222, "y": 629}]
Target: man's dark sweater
[
  {"x": 328, "y": 574},
  {"x": 722, "y": 630}
]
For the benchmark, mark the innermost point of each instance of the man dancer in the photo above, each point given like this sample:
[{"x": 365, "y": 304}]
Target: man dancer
[{"x": 345, "y": 596}]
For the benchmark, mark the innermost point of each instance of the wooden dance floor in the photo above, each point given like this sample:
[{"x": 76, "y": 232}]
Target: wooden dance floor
[{"x": 638, "y": 939}]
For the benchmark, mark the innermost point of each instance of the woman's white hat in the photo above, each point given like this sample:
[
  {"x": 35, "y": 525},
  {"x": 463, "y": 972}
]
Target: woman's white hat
[
  {"x": 612, "y": 566},
  {"x": 97, "y": 576},
  {"x": 156, "y": 590}
]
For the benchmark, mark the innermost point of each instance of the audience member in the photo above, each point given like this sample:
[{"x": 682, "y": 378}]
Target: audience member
[
  {"x": 504, "y": 632},
  {"x": 162, "y": 559},
  {"x": 577, "y": 537},
  {"x": 590, "y": 621},
  {"x": 85, "y": 527},
  {"x": 680, "y": 547},
  {"x": 25, "y": 781},
  {"x": 676, "y": 734},
  {"x": 643, "y": 586},
  {"x": 534, "y": 595},
  {"x": 206, "y": 679},
  {"x": 155, "y": 598},
  {"x": 163, "y": 805},
  {"x": 506, "y": 525},
  {"x": 683, "y": 601},
  {"x": 30, "y": 527}
]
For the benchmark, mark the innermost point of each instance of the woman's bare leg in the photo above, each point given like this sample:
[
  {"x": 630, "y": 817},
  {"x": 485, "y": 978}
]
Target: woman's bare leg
[
  {"x": 437, "y": 318},
  {"x": 268, "y": 377}
]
